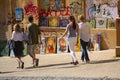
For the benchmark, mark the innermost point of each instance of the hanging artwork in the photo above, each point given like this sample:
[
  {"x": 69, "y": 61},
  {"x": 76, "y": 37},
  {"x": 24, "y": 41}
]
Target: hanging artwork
[
  {"x": 18, "y": 14},
  {"x": 43, "y": 21},
  {"x": 92, "y": 24},
  {"x": 50, "y": 45},
  {"x": 57, "y": 4},
  {"x": 62, "y": 46},
  {"x": 101, "y": 23},
  {"x": 111, "y": 24},
  {"x": 64, "y": 22},
  {"x": 42, "y": 46},
  {"x": 53, "y": 21}
]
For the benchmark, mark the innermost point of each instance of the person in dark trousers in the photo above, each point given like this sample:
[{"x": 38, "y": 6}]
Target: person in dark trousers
[
  {"x": 84, "y": 37},
  {"x": 73, "y": 33},
  {"x": 34, "y": 40}
]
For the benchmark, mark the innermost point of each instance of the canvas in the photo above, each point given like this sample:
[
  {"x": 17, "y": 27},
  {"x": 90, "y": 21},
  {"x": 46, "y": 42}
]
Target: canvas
[
  {"x": 53, "y": 21},
  {"x": 50, "y": 45},
  {"x": 62, "y": 46},
  {"x": 111, "y": 24},
  {"x": 92, "y": 24},
  {"x": 101, "y": 23},
  {"x": 43, "y": 21},
  {"x": 64, "y": 22}
]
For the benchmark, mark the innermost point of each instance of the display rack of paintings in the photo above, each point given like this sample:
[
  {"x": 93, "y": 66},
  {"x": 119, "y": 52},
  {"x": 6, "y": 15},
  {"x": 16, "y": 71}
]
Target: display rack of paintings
[
  {"x": 111, "y": 24},
  {"x": 101, "y": 23},
  {"x": 43, "y": 21},
  {"x": 64, "y": 22},
  {"x": 50, "y": 45},
  {"x": 53, "y": 21},
  {"x": 92, "y": 24},
  {"x": 62, "y": 46},
  {"x": 57, "y": 4}
]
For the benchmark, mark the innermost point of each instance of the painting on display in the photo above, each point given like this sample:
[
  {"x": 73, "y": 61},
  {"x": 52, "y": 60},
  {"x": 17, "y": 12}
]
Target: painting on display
[
  {"x": 92, "y": 24},
  {"x": 57, "y": 4},
  {"x": 43, "y": 21},
  {"x": 42, "y": 46},
  {"x": 62, "y": 46},
  {"x": 18, "y": 14},
  {"x": 50, "y": 45},
  {"x": 64, "y": 22},
  {"x": 101, "y": 23},
  {"x": 53, "y": 21},
  {"x": 111, "y": 24}
]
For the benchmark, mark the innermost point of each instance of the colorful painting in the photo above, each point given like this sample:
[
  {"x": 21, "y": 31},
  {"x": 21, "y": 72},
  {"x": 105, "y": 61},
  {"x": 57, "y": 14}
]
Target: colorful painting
[
  {"x": 18, "y": 14},
  {"x": 57, "y": 4},
  {"x": 101, "y": 23},
  {"x": 111, "y": 24},
  {"x": 43, "y": 21},
  {"x": 62, "y": 46},
  {"x": 92, "y": 24},
  {"x": 53, "y": 21},
  {"x": 64, "y": 22},
  {"x": 50, "y": 45}
]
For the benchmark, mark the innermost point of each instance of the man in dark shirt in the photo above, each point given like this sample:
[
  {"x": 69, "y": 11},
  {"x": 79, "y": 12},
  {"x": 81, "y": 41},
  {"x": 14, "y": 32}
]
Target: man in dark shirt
[{"x": 33, "y": 40}]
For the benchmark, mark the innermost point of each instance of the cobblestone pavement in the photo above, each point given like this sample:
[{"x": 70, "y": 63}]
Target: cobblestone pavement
[{"x": 103, "y": 66}]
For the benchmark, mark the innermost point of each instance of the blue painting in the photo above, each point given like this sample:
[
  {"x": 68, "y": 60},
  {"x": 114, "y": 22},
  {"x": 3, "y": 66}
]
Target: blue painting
[
  {"x": 43, "y": 21},
  {"x": 18, "y": 14},
  {"x": 64, "y": 22}
]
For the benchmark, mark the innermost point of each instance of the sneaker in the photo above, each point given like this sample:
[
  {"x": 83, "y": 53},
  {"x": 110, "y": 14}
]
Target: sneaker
[{"x": 37, "y": 62}]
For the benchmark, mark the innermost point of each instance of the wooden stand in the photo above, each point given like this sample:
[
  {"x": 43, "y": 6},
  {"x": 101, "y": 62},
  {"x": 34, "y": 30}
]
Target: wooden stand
[{"x": 118, "y": 37}]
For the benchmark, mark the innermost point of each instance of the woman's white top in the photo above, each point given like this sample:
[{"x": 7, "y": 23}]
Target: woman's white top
[
  {"x": 84, "y": 31},
  {"x": 17, "y": 36}
]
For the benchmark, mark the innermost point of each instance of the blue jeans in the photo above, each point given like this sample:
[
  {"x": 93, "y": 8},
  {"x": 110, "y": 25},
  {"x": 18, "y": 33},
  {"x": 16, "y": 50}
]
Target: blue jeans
[{"x": 84, "y": 50}]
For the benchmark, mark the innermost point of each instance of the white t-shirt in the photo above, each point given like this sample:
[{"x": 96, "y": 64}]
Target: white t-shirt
[
  {"x": 84, "y": 31},
  {"x": 17, "y": 36}
]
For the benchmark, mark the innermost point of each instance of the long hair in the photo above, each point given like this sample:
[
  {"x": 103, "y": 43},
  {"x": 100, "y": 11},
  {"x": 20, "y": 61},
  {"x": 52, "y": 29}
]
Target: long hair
[
  {"x": 17, "y": 28},
  {"x": 72, "y": 19}
]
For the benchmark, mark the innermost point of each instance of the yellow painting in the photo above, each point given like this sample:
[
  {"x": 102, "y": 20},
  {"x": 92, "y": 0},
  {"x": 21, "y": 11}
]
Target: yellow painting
[{"x": 53, "y": 21}]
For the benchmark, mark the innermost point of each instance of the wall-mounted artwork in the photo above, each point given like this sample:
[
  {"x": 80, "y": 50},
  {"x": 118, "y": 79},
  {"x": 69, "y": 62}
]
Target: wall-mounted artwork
[
  {"x": 43, "y": 21},
  {"x": 18, "y": 14},
  {"x": 64, "y": 22},
  {"x": 57, "y": 4},
  {"x": 53, "y": 21},
  {"x": 62, "y": 45},
  {"x": 92, "y": 23},
  {"x": 111, "y": 24},
  {"x": 101, "y": 23},
  {"x": 50, "y": 45}
]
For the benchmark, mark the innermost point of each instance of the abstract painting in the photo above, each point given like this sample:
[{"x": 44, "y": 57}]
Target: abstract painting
[{"x": 43, "y": 21}]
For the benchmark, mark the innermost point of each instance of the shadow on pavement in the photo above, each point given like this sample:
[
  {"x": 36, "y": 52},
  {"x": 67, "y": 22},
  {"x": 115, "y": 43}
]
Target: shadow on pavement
[
  {"x": 104, "y": 61},
  {"x": 49, "y": 65}
]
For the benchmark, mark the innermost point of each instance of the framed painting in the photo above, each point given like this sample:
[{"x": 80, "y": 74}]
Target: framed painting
[
  {"x": 62, "y": 46},
  {"x": 18, "y": 14},
  {"x": 53, "y": 21},
  {"x": 42, "y": 46},
  {"x": 101, "y": 23},
  {"x": 92, "y": 24},
  {"x": 50, "y": 45},
  {"x": 64, "y": 22},
  {"x": 57, "y": 5},
  {"x": 111, "y": 24},
  {"x": 43, "y": 21}
]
